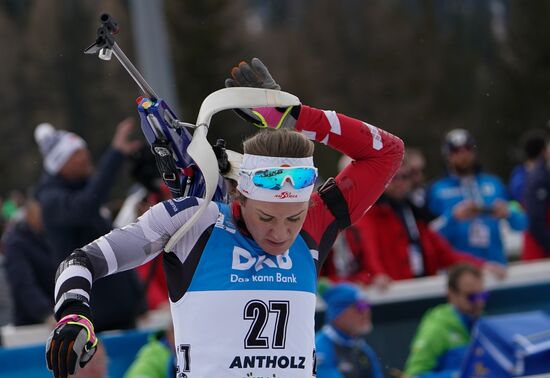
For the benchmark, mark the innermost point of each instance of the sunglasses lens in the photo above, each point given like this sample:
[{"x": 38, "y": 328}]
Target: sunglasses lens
[
  {"x": 401, "y": 176},
  {"x": 303, "y": 177},
  {"x": 268, "y": 178},
  {"x": 274, "y": 178},
  {"x": 455, "y": 149},
  {"x": 476, "y": 297},
  {"x": 362, "y": 306}
]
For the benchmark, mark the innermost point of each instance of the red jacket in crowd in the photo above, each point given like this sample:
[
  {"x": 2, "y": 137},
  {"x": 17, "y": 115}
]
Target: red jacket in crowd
[
  {"x": 380, "y": 245},
  {"x": 385, "y": 244},
  {"x": 356, "y": 268},
  {"x": 154, "y": 280}
]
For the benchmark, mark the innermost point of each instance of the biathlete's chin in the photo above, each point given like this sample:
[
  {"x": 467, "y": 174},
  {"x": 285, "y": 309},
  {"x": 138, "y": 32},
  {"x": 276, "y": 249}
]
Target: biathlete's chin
[{"x": 274, "y": 248}]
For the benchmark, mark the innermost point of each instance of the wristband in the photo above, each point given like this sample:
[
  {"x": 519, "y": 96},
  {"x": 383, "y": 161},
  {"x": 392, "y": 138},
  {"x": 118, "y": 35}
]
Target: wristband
[{"x": 82, "y": 321}]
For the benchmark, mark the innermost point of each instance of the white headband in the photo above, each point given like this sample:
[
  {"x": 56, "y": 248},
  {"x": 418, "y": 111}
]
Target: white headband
[{"x": 287, "y": 193}]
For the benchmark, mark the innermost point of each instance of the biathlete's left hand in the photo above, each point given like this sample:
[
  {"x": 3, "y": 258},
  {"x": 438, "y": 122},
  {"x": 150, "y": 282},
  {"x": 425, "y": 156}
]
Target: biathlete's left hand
[{"x": 256, "y": 75}]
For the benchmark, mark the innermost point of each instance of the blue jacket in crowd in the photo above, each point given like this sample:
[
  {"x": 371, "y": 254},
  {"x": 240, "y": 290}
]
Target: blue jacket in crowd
[
  {"x": 72, "y": 219},
  {"x": 30, "y": 268},
  {"x": 340, "y": 356},
  {"x": 479, "y": 236},
  {"x": 517, "y": 182}
]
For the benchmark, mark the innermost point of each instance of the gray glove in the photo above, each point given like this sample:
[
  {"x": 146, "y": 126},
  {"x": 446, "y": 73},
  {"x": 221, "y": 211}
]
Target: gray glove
[{"x": 256, "y": 75}]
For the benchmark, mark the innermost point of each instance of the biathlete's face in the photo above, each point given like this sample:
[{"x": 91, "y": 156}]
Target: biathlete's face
[{"x": 273, "y": 225}]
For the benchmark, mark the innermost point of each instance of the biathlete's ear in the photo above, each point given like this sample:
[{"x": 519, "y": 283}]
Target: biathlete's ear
[{"x": 241, "y": 198}]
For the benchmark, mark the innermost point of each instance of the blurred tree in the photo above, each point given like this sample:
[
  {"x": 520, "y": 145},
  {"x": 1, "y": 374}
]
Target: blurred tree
[
  {"x": 370, "y": 60},
  {"x": 49, "y": 79},
  {"x": 11, "y": 82},
  {"x": 415, "y": 67},
  {"x": 208, "y": 37},
  {"x": 520, "y": 81}
]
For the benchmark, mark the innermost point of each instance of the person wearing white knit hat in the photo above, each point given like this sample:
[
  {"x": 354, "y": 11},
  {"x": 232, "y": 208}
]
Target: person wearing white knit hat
[
  {"x": 73, "y": 193},
  {"x": 58, "y": 147},
  {"x": 66, "y": 154}
]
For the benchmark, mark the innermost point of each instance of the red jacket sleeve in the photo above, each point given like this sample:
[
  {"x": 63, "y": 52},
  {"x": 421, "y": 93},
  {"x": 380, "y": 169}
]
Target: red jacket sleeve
[{"x": 377, "y": 155}]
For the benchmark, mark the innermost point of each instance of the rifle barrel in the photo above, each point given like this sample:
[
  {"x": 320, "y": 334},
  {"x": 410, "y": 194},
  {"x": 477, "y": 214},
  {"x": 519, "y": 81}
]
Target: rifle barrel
[{"x": 132, "y": 70}]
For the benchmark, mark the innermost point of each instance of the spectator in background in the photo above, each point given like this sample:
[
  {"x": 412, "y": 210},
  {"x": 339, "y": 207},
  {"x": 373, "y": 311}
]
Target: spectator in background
[
  {"x": 537, "y": 202},
  {"x": 30, "y": 268},
  {"x": 340, "y": 345},
  {"x": 156, "y": 359},
  {"x": 12, "y": 204},
  {"x": 346, "y": 262},
  {"x": 534, "y": 147},
  {"x": 441, "y": 340},
  {"x": 416, "y": 163},
  {"x": 470, "y": 204},
  {"x": 70, "y": 192},
  {"x": 147, "y": 191},
  {"x": 72, "y": 195},
  {"x": 6, "y": 305},
  {"x": 397, "y": 242},
  {"x": 2, "y": 220}
]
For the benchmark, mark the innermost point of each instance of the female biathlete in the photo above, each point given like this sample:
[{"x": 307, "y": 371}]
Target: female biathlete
[{"x": 242, "y": 280}]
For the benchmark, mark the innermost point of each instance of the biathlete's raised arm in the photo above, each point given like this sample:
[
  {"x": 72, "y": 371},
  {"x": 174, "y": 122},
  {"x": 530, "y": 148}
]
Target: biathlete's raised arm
[
  {"x": 376, "y": 156},
  {"x": 242, "y": 281}
]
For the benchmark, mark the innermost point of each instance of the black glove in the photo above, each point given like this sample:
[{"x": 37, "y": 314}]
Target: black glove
[
  {"x": 71, "y": 345},
  {"x": 257, "y": 75}
]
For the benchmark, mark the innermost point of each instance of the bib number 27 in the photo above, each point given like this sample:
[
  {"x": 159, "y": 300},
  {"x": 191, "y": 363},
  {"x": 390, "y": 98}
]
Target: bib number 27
[{"x": 260, "y": 313}]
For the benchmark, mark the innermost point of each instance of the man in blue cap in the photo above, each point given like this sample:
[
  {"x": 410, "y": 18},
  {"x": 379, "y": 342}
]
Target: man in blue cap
[{"x": 342, "y": 351}]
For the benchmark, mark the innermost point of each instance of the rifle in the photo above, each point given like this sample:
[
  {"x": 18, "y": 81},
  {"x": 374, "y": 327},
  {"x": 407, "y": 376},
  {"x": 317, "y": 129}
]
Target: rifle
[{"x": 187, "y": 163}]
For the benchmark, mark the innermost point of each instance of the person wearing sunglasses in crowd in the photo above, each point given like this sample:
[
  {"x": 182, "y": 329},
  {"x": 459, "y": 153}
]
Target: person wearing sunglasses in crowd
[
  {"x": 395, "y": 224},
  {"x": 443, "y": 334},
  {"x": 417, "y": 166},
  {"x": 242, "y": 280},
  {"x": 342, "y": 351},
  {"x": 470, "y": 203}
]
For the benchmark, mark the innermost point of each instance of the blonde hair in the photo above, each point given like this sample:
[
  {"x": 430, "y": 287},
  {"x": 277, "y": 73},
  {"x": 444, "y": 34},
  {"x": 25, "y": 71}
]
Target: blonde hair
[{"x": 280, "y": 143}]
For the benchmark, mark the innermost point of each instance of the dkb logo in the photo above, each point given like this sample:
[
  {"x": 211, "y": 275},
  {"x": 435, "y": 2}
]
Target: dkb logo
[{"x": 243, "y": 260}]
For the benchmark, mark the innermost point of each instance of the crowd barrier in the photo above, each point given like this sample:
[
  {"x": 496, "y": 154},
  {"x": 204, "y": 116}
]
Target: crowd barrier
[
  {"x": 506, "y": 346},
  {"x": 29, "y": 361},
  {"x": 23, "y": 351},
  {"x": 396, "y": 313}
]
